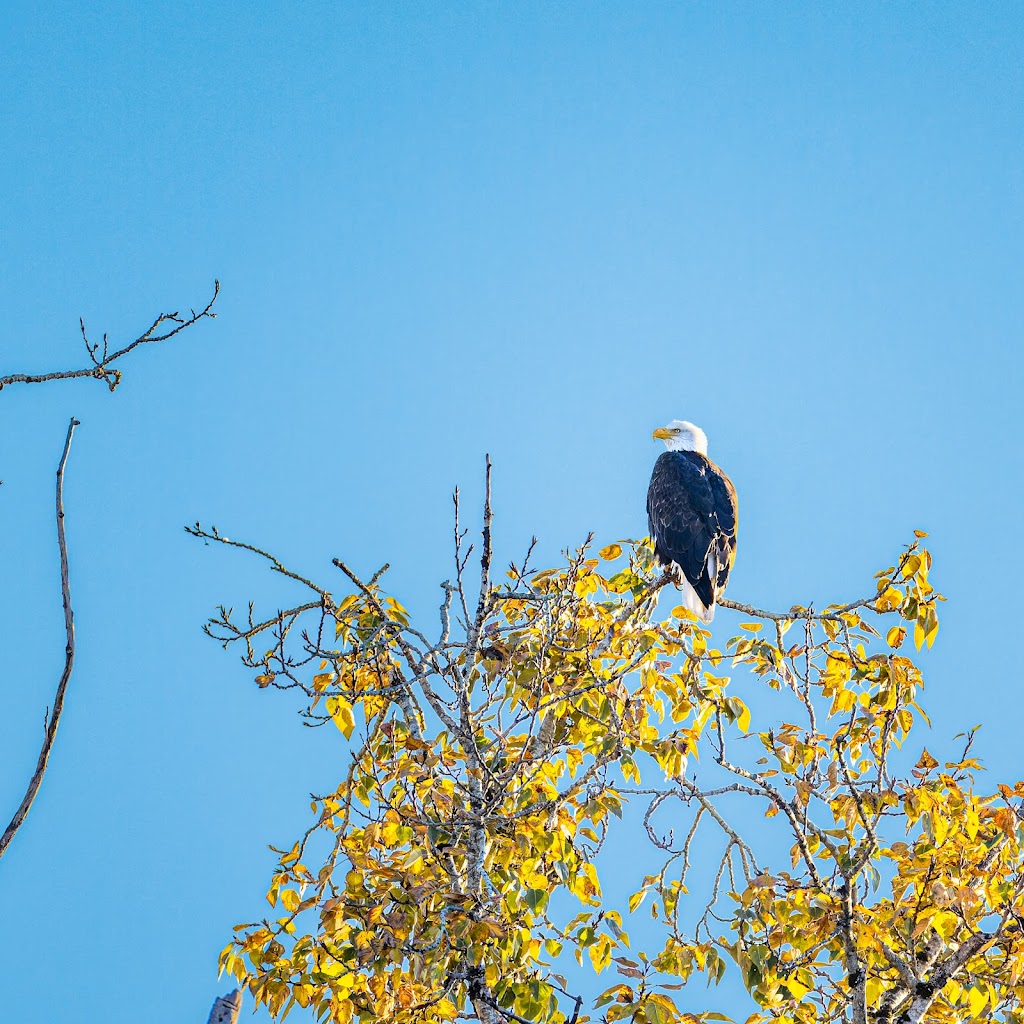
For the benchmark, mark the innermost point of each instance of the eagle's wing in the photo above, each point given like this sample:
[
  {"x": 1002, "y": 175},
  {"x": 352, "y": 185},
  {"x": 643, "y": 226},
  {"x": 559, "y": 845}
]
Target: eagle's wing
[
  {"x": 726, "y": 519},
  {"x": 681, "y": 513}
]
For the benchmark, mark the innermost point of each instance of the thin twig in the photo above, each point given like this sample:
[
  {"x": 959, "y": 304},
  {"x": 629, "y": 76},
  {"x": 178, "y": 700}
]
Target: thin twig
[
  {"x": 69, "y": 660},
  {"x": 276, "y": 566}
]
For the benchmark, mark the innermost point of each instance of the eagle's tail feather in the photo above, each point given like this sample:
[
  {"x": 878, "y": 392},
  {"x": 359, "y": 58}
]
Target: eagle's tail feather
[{"x": 690, "y": 599}]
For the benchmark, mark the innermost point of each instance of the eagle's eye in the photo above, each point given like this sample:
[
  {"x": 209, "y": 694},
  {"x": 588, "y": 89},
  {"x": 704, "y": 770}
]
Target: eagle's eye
[{"x": 677, "y": 430}]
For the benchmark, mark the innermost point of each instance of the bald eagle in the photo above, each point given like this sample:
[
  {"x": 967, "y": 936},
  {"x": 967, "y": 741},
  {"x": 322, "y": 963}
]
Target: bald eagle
[{"x": 692, "y": 512}]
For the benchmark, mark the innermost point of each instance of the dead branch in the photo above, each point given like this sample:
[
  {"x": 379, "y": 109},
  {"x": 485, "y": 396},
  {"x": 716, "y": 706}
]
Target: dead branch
[
  {"x": 214, "y": 535},
  {"x": 102, "y": 359},
  {"x": 69, "y": 660}
]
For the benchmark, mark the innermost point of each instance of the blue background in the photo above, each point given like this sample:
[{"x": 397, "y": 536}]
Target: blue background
[{"x": 538, "y": 230}]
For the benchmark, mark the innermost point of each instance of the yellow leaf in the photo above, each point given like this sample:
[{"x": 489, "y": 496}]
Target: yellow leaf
[
  {"x": 290, "y": 899},
  {"x": 844, "y": 701},
  {"x": 601, "y": 953},
  {"x": 636, "y": 899},
  {"x": 341, "y": 711},
  {"x": 976, "y": 1000},
  {"x": 610, "y": 552},
  {"x": 919, "y": 634},
  {"x": 744, "y": 720},
  {"x": 742, "y": 713},
  {"x": 910, "y": 565},
  {"x": 796, "y": 989},
  {"x": 945, "y": 922},
  {"x": 895, "y": 637}
]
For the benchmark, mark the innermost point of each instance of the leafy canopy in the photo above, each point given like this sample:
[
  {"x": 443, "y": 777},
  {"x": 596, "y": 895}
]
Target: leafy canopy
[{"x": 458, "y": 861}]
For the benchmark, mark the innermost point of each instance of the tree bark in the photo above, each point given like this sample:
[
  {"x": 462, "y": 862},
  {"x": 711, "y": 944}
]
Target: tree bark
[{"x": 226, "y": 1008}]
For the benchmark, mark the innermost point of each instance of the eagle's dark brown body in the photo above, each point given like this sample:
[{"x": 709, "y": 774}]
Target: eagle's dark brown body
[{"x": 692, "y": 512}]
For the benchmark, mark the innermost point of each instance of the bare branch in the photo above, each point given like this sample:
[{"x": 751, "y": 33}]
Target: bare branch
[
  {"x": 796, "y": 612},
  {"x": 69, "y": 660},
  {"x": 101, "y": 361},
  {"x": 276, "y": 566},
  {"x": 483, "y": 602}
]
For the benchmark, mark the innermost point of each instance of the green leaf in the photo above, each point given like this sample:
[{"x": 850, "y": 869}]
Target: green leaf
[{"x": 536, "y": 899}]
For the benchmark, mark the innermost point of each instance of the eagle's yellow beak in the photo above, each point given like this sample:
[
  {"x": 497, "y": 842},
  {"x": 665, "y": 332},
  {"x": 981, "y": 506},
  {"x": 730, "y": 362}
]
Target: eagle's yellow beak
[{"x": 662, "y": 433}]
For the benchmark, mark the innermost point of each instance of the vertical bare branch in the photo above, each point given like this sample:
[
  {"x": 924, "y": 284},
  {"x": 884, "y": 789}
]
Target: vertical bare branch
[
  {"x": 485, "y": 558},
  {"x": 485, "y": 567},
  {"x": 69, "y": 660}
]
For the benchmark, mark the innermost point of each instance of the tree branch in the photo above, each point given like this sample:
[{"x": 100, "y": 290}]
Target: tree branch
[
  {"x": 925, "y": 992},
  {"x": 69, "y": 660},
  {"x": 101, "y": 361},
  {"x": 275, "y": 565},
  {"x": 835, "y": 615},
  {"x": 227, "y": 1008},
  {"x": 483, "y": 602}
]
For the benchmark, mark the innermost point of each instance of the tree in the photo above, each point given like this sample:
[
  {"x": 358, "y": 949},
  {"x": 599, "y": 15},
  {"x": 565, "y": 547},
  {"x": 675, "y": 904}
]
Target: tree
[
  {"x": 458, "y": 861},
  {"x": 100, "y": 367}
]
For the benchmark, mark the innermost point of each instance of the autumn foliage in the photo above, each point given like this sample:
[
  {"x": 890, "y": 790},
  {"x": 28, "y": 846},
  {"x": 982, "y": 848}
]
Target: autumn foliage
[{"x": 457, "y": 864}]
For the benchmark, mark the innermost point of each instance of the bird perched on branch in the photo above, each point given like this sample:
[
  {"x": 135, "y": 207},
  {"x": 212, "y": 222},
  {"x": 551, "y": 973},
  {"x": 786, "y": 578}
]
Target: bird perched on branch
[{"x": 692, "y": 512}]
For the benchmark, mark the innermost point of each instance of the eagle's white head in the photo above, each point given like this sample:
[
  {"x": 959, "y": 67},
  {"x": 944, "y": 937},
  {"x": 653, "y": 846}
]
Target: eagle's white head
[{"x": 682, "y": 436}]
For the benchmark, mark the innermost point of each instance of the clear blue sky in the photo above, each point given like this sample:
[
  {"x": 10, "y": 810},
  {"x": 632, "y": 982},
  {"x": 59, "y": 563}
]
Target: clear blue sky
[{"x": 538, "y": 230}]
